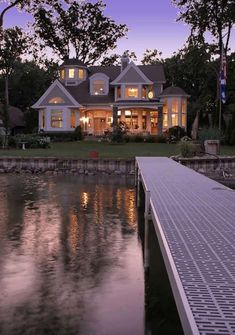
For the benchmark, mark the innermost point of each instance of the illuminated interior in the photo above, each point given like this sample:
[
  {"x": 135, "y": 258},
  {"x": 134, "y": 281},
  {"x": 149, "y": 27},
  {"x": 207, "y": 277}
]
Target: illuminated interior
[
  {"x": 71, "y": 73},
  {"x": 72, "y": 119},
  {"x": 175, "y": 111},
  {"x": 56, "y": 119},
  {"x": 132, "y": 92},
  {"x": 56, "y": 100},
  {"x": 99, "y": 87}
]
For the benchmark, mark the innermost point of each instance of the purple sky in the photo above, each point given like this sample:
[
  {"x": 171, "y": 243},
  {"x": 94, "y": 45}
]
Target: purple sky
[{"x": 152, "y": 24}]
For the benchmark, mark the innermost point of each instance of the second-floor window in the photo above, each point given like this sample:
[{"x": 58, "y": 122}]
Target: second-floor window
[
  {"x": 71, "y": 73},
  {"x": 99, "y": 87},
  {"x": 131, "y": 92}
]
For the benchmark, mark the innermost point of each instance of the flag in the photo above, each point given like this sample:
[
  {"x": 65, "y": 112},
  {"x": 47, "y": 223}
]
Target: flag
[{"x": 223, "y": 77}]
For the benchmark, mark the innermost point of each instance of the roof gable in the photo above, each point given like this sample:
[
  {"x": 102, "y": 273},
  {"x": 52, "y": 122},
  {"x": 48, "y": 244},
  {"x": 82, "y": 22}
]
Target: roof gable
[
  {"x": 56, "y": 90},
  {"x": 131, "y": 74}
]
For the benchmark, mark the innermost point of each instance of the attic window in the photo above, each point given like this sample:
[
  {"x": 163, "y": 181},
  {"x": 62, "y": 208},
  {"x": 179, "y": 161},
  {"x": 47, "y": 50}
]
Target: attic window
[
  {"x": 56, "y": 100},
  {"x": 132, "y": 92}
]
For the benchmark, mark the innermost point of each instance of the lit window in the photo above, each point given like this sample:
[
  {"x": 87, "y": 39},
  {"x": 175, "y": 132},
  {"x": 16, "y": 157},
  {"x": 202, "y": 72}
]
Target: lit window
[
  {"x": 56, "y": 119},
  {"x": 56, "y": 100},
  {"x": 119, "y": 94},
  {"x": 71, "y": 73},
  {"x": 72, "y": 119},
  {"x": 81, "y": 74},
  {"x": 165, "y": 115},
  {"x": 62, "y": 74},
  {"x": 99, "y": 87},
  {"x": 132, "y": 92},
  {"x": 175, "y": 110},
  {"x": 183, "y": 115}
]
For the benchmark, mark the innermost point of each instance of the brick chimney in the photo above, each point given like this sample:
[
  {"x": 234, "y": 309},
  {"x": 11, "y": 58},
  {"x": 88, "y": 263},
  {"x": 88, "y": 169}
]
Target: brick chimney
[{"x": 124, "y": 61}]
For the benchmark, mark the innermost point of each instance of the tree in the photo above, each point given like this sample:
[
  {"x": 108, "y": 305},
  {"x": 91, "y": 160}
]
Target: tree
[
  {"x": 28, "y": 5},
  {"x": 214, "y": 16},
  {"x": 13, "y": 45},
  {"x": 115, "y": 59},
  {"x": 81, "y": 27},
  {"x": 152, "y": 57}
]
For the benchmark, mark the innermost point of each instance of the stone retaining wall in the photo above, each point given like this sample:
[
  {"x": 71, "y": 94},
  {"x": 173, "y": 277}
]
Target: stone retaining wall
[
  {"x": 68, "y": 166},
  {"x": 210, "y": 166},
  {"x": 214, "y": 167}
]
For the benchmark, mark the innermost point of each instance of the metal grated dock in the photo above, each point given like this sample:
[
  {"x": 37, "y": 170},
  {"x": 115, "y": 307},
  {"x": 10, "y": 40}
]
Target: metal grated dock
[{"x": 194, "y": 218}]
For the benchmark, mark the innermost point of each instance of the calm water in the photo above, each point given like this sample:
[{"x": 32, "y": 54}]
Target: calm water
[{"x": 70, "y": 257}]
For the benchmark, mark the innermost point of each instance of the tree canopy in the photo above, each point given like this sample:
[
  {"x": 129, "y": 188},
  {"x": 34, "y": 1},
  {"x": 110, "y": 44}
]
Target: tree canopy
[
  {"x": 80, "y": 27},
  {"x": 214, "y": 16}
]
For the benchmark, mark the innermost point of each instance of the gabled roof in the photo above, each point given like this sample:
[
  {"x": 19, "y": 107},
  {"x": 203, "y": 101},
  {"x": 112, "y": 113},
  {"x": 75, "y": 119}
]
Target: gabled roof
[
  {"x": 131, "y": 74},
  {"x": 73, "y": 102}
]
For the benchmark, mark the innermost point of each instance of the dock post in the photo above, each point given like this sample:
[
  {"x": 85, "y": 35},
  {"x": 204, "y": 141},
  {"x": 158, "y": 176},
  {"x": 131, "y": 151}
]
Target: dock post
[
  {"x": 147, "y": 216},
  {"x": 138, "y": 189}
]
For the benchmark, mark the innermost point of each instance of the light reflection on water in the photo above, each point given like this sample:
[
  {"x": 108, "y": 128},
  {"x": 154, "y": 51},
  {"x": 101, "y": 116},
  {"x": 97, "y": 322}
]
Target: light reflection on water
[{"x": 70, "y": 259}]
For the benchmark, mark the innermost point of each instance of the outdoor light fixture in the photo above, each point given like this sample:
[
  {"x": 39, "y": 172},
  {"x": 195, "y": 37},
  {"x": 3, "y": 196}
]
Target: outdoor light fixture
[{"x": 150, "y": 94}]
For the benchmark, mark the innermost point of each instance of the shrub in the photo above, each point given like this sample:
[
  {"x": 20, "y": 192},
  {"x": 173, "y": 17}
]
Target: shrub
[
  {"x": 188, "y": 149},
  {"x": 32, "y": 141},
  {"x": 177, "y": 132},
  {"x": 78, "y": 133},
  {"x": 117, "y": 135}
]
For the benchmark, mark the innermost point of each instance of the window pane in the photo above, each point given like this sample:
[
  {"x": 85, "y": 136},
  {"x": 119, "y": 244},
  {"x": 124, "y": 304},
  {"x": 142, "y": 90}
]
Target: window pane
[
  {"x": 132, "y": 92},
  {"x": 165, "y": 115},
  {"x": 99, "y": 87},
  {"x": 81, "y": 74},
  {"x": 144, "y": 92},
  {"x": 56, "y": 119},
  {"x": 72, "y": 119},
  {"x": 56, "y": 100},
  {"x": 183, "y": 120},
  {"x": 183, "y": 106},
  {"x": 175, "y": 106},
  {"x": 174, "y": 120},
  {"x": 71, "y": 73},
  {"x": 119, "y": 92}
]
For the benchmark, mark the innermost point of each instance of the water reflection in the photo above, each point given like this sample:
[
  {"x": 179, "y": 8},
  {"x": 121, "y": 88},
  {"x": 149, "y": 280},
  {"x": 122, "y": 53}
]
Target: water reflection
[{"x": 70, "y": 259}]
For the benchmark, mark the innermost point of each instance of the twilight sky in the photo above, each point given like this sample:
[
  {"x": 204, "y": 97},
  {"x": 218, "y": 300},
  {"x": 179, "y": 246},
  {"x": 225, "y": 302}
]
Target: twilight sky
[{"x": 152, "y": 24}]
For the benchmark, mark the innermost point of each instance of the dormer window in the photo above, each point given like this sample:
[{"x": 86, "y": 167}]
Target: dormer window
[
  {"x": 132, "y": 92},
  {"x": 99, "y": 84},
  {"x": 71, "y": 73},
  {"x": 99, "y": 87}
]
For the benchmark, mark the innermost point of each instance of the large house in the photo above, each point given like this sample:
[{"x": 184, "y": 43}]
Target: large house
[{"x": 98, "y": 96}]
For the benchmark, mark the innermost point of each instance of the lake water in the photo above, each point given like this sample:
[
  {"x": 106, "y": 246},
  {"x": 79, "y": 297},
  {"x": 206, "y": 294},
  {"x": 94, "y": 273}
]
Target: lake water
[
  {"x": 70, "y": 256},
  {"x": 71, "y": 260}
]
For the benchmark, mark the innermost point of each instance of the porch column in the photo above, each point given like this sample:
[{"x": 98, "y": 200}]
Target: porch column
[
  {"x": 115, "y": 116},
  {"x": 160, "y": 120},
  {"x": 140, "y": 120},
  {"x": 148, "y": 121}
]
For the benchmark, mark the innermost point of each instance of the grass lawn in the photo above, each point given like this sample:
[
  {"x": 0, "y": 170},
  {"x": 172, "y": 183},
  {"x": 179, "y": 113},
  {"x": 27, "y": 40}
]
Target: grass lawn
[{"x": 105, "y": 150}]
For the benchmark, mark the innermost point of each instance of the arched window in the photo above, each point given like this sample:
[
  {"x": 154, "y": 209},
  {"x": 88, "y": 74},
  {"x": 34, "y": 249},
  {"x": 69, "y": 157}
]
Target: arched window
[
  {"x": 56, "y": 100},
  {"x": 99, "y": 84}
]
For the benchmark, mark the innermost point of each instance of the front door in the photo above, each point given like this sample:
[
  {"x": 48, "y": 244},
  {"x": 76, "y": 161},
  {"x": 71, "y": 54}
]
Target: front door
[
  {"x": 99, "y": 126},
  {"x": 154, "y": 120}
]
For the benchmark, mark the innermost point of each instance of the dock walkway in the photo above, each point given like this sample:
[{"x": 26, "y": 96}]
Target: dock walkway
[{"x": 194, "y": 219}]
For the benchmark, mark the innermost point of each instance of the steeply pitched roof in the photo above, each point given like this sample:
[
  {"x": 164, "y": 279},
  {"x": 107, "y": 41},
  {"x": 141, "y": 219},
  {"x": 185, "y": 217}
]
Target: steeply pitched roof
[
  {"x": 81, "y": 93},
  {"x": 173, "y": 90}
]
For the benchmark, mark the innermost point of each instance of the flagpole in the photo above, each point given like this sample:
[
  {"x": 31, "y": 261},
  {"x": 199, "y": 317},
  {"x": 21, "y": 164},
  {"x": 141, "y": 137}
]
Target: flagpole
[{"x": 222, "y": 69}]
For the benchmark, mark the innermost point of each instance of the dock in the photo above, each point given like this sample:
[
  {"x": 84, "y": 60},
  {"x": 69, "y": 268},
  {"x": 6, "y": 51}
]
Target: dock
[{"x": 194, "y": 220}]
